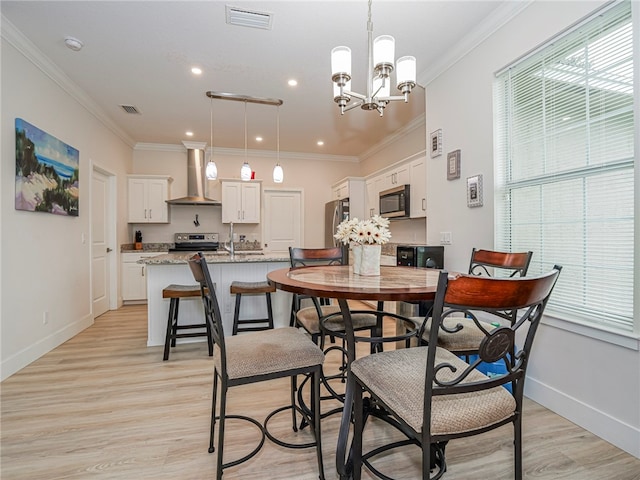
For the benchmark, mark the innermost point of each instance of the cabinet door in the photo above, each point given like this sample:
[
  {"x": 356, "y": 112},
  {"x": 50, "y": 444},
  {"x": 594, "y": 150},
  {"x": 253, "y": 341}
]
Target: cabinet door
[
  {"x": 134, "y": 282},
  {"x": 418, "y": 189},
  {"x": 373, "y": 197},
  {"x": 402, "y": 175},
  {"x": 250, "y": 203},
  {"x": 157, "y": 208},
  {"x": 231, "y": 202},
  {"x": 137, "y": 200}
]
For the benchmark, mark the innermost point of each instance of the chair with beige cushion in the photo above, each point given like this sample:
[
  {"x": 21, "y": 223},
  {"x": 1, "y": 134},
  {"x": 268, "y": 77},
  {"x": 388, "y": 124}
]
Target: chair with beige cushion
[
  {"x": 256, "y": 357},
  {"x": 432, "y": 395},
  {"x": 461, "y": 335}
]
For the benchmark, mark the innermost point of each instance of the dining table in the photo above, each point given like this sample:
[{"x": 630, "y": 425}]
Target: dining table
[{"x": 339, "y": 282}]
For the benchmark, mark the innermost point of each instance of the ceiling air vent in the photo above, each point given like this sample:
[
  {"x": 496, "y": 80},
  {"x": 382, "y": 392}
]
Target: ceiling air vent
[
  {"x": 249, "y": 18},
  {"x": 130, "y": 109}
]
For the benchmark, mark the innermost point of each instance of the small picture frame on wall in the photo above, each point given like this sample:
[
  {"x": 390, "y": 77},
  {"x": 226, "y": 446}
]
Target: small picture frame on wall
[
  {"x": 474, "y": 191},
  {"x": 453, "y": 165},
  {"x": 436, "y": 143}
]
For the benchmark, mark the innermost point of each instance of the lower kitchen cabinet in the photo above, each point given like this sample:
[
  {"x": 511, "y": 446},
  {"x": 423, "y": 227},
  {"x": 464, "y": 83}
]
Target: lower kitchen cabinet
[{"x": 134, "y": 276}]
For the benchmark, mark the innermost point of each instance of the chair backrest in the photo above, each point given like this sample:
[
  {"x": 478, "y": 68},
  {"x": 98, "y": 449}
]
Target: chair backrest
[
  {"x": 483, "y": 260},
  {"x": 200, "y": 270},
  {"x": 481, "y": 299},
  {"x": 304, "y": 257}
]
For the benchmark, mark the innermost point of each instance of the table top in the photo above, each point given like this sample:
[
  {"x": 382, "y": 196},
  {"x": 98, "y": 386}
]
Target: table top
[{"x": 339, "y": 281}]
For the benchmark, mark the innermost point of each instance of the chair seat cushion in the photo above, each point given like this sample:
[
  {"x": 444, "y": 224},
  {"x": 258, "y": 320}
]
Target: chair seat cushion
[
  {"x": 465, "y": 340},
  {"x": 267, "y": 352},
  {"x": 397, "y": 378},
  {"x": 308, "y": 319}
]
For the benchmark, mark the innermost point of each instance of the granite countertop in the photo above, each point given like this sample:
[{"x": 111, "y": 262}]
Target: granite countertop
[{"x": 240, "y": 257}]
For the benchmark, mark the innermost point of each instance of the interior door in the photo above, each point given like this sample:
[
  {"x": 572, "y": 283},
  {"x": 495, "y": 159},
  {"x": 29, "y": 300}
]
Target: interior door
[
  {"x": 283, "y": 225},
  {"x": 100, "y": 274}
]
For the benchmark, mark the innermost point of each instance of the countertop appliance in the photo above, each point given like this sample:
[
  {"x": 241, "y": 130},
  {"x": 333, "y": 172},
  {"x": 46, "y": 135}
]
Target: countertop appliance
[
  {"x": 420, "y": 256},
  {"x": 335, "y": 212},
  {"x": 195, "y": 242},
  {"x": 396, "y": 202}
]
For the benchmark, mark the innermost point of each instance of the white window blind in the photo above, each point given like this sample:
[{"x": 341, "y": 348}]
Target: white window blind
[{"x": 565, "y": 166}]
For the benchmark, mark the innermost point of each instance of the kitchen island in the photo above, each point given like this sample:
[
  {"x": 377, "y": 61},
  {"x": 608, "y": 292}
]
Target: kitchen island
[{"x": 172, "y": 268}]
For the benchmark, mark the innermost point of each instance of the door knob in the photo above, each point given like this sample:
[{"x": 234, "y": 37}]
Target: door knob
[{"x": 108, "y": 250}]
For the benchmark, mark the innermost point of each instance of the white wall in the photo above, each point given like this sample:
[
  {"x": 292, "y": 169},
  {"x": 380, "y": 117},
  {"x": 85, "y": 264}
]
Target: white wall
[
  {"x": 45, "y": 264},
  {"x": 593, "y": 383}
]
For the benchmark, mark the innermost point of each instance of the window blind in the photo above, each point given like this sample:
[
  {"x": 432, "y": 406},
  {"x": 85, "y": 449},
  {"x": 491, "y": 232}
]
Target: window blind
[{"x": 564, "y": 127}]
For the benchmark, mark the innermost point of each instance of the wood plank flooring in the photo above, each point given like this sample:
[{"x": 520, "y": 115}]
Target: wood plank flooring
[{"x": 104, "y": 406}]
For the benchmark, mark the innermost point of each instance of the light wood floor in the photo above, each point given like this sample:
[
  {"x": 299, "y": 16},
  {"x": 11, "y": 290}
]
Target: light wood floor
[{"x": 104, "y": 406}]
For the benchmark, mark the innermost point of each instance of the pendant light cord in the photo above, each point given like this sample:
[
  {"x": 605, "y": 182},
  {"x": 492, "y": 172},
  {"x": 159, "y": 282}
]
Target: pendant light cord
[
  {"x": 245, "y": 133},
  {"x": 278, "y": 136}
]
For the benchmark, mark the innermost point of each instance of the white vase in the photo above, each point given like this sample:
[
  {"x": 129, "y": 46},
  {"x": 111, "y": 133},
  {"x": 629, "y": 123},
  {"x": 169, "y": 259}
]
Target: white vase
[
  {"x": 356, "y": 254},
  {"x": 366, "y": 259}
]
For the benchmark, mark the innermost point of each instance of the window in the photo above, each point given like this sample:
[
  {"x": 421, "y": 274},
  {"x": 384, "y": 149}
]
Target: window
[{"x": 565, "y": 166}]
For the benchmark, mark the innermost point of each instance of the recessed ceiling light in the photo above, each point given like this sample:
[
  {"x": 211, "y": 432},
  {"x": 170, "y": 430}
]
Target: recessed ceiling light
[
  {"x": 258, "y": 139},
  {"x": 320, "y": 143},
  {"x": 196, "y": 71},
  {"x": 189, "y": 134},
  {"x": 73, "y": 43},
  {"x": 293, "y": 82}
]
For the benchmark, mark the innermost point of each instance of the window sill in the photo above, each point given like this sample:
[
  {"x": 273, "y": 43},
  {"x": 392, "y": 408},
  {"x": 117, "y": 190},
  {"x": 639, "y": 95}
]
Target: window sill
[{"x": 575, "y": 325}]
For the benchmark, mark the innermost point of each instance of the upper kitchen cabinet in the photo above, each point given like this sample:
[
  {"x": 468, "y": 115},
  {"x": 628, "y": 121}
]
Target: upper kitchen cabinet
[
  {"x": 400, "y": 175},
  {"x": 352, "y": 188},
  {"x": 418, "y": 188},
  {"x": 240, "y": 202},
  {"x": 148, "y": 195}
]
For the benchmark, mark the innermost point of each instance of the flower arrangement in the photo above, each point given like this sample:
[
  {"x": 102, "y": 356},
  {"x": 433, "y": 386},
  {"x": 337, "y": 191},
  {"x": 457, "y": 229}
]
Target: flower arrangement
[{"x": 374, "y": 231}]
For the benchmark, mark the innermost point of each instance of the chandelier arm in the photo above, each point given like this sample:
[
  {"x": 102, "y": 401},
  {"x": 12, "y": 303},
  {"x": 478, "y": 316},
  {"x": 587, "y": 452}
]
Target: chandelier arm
[
  {"x": 355, "y": 94},
  {"x": 353, "y": 105}
]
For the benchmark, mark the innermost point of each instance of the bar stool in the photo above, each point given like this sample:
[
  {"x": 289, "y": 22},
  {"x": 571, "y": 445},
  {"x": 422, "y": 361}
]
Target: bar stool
[
  {"x": 175, "y": 293},
  {"x": 251, "y": 288}
]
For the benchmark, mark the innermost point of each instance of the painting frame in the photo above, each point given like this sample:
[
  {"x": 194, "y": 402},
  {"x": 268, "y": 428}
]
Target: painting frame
[
  {"x": 47, "y": 172},
  {"x": 453, "y": 165},
  {"x": 436, "y": 143},
  {"x": 474, "y": 191}
]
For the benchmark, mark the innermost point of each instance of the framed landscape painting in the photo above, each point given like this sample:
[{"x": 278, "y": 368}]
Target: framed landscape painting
[{"x": 47, "y": 172}]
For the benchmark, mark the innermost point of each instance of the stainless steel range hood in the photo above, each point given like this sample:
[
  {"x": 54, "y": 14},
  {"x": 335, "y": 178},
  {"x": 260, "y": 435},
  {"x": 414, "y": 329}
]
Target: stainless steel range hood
[{"x": 196, "y": 179}]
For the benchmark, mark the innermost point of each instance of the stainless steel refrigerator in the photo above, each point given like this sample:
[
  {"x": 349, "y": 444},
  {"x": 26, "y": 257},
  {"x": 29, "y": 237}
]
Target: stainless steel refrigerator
[{"x": 334, "y": 213}]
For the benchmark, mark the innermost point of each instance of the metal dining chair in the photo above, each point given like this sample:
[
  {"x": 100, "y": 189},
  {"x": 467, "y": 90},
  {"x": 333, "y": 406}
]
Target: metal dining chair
[
  {"x": 256, "y": 357},
  {"x": 433, "y": 396}
]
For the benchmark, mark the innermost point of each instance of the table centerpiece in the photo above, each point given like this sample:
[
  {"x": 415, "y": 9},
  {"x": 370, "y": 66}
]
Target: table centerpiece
[{"x": 365, "y": 237}]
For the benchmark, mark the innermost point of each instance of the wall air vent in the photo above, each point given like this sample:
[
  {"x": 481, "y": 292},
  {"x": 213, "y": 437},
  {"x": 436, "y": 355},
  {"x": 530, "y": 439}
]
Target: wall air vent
[
  {"x": 249, "y": 18},
  {"x": 130, "y": 109}
]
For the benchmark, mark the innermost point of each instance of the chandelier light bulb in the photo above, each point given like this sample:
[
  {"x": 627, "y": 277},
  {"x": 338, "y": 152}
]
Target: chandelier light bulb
[
  {"x": 341, "y": 61},
  {"x": 384, "y": 49},
  {"x": 406, "y": 71}
]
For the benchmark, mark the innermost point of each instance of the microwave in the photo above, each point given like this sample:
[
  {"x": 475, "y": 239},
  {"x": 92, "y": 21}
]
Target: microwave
[{"x": 395, "y": 202}]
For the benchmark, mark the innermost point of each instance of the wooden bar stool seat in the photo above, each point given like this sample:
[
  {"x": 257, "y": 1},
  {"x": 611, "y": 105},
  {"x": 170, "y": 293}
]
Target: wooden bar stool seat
[
  {"x": 175, "y": 293},
  {"x": 251, "y": 324}
]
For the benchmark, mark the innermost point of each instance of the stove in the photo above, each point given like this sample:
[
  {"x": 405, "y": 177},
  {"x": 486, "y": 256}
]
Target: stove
[{"x": 195, "y": 242}]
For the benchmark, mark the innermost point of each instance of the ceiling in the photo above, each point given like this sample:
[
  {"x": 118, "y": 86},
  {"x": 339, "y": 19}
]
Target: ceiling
[{"x": 141, "y": 53}]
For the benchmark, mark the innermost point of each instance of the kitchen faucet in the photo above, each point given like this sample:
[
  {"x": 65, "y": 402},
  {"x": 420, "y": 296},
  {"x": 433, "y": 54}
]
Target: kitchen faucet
[{"x": 229, "y": 245}]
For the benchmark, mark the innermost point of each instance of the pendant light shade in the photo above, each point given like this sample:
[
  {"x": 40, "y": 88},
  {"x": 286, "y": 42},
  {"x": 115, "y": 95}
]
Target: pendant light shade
[
  {"x": 245, "y": 171},
  {"x": 278, "y": 174},
  {"x": 211, "y": 172}
]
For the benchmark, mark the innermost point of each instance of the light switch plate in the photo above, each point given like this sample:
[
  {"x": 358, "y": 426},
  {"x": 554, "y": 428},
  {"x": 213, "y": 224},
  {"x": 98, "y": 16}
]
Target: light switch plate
[{"x": 445, "y": 238}]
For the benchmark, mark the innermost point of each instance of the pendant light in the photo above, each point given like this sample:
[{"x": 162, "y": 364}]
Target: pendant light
[
  {"x": 245, "y": 171},
  {"x": 211, "y": 171},
  {"x": 278, "y": 173}
]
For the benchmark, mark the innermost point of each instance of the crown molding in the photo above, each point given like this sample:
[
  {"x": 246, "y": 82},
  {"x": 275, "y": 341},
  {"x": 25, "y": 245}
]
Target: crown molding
[
  {"x": 22, "y": 44},
  {"x": 484, "y": 29},
  {"x": 239, "y": 152},
  {"x": 418, "y": 122}
]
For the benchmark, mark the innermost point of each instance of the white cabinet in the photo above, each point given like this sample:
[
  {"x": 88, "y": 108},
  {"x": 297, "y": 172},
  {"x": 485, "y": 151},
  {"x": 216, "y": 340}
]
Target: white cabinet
[
  {"x": 338, "y": 192},
  {"x": 374, "y": 185},
  {"x": 396, "y": 177},
  {"x": 240, "y": 202},
  {"x": 352, "y": 188},
  {"x": 134, "y": 278},
  {"x": 148, "y": 195},
  {"x": 418, "y": 188}
]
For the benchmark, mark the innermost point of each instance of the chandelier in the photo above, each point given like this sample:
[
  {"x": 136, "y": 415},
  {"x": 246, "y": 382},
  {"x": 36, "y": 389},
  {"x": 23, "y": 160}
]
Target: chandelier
[
  {"x": 380, "y": 52},
  {"x": 245, "y": 171}
]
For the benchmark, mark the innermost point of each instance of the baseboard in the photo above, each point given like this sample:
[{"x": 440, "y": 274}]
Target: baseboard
[
  {"x": 610, "y": 429},
  {"x": 34, "y": 351}
]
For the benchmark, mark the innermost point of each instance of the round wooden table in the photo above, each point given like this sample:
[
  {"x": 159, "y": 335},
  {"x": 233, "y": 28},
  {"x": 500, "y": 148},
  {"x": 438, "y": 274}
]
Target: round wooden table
[{"x": 338, "y": 281}]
